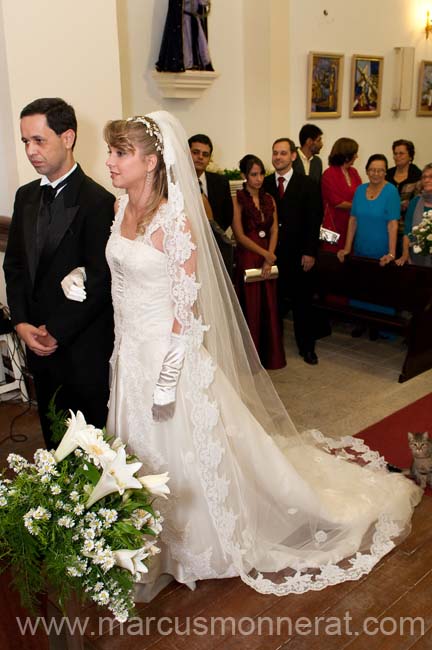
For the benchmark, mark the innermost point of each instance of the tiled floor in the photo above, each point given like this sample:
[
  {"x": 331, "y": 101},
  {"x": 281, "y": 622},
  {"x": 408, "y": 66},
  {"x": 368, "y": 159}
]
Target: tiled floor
[{"x": 354, "y": 385}]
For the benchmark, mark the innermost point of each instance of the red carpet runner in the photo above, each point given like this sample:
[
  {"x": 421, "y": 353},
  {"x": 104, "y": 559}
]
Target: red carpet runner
[{"x": 389, "y": 436}]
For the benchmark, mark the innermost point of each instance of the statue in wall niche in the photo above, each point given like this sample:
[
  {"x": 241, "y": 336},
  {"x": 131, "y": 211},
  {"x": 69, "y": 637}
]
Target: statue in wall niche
[{"x": 185, "y": 39}]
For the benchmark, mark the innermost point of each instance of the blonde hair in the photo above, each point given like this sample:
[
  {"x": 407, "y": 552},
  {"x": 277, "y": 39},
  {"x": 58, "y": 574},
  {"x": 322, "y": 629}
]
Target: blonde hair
[{"x": 142, "y": 134}]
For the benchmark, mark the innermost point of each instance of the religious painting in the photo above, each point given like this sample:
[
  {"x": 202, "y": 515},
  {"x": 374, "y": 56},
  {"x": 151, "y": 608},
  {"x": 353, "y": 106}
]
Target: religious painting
[
  {"x": 366, "y": 86},
  {"x": 424, "y": 97},
  {"x": 325, "y": 75}
]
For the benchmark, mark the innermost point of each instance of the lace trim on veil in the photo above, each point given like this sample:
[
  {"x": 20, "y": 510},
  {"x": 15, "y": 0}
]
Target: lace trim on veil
[{"x": 204, "y": 413}]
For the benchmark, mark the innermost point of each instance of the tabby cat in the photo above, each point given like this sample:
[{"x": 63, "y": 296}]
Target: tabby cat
[{"x": 421, "y": 449}]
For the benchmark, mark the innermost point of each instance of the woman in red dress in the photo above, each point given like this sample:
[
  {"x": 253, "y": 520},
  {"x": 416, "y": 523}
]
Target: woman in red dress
[
  {"x": 338, "y": 184},
  {"x": 255, "y": 228}
]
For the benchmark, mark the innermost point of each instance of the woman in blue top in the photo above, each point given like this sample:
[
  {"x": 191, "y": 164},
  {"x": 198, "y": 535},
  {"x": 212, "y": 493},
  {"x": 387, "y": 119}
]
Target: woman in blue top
[
  {"x": 417, "y": 209},
  {"x": 375, "y": 212},
  {"x": 373, "y": 227}
]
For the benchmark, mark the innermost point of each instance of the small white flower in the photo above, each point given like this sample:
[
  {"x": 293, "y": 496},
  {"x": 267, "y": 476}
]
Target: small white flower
[
  {"x": 66, "y": 522},
  {"x": 55, "y": 489},
  {"x": 17, "y": 463},
  {"x": 88, "y": 546},
  {"x": 417, "y": 248},
  {"x": 74, "y": 496},
  {"x": 3, "y": 502},
  {"x": 78, "y": 509}
]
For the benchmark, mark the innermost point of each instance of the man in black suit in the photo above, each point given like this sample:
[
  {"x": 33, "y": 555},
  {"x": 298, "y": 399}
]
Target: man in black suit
[
  {"x": 214, "y": 186},
  {"x": 307, "y": 161},
  {"x": 298, "y": 205},
  {"x": 60, "y": 222}
]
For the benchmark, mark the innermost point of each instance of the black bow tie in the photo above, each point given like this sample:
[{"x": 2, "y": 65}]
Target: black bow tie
[{"x": 49, "y": 193}]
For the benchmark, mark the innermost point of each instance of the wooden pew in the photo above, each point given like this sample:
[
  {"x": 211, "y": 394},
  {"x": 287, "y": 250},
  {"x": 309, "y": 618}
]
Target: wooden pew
[{"x": 407, "y": 288}]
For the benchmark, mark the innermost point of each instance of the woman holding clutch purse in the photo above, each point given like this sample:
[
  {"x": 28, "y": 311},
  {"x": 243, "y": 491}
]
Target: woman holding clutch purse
[{"x": 255, "y": 228}]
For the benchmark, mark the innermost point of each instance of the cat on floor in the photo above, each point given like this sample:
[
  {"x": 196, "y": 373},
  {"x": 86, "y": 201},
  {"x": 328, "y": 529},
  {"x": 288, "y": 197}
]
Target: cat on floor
[
  {"x": 421, "y": 449},
  {"x": 421, "y": 466}
]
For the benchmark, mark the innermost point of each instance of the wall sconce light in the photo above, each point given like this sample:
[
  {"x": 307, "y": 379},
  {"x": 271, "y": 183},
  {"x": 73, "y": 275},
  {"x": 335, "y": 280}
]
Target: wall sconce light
[{"x": 428, "y": 27}]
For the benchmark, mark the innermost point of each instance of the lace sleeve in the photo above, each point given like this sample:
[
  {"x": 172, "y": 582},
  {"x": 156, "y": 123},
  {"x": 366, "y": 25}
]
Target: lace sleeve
[{"x": 174, "y": 238}]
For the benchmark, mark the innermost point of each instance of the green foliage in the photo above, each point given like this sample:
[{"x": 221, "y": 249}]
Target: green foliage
[
  {"x": 232, "y": 174},
  {"x": 49, "y": 536}
]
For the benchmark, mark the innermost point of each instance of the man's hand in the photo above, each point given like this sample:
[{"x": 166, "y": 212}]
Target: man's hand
[
  {"x": 307, "y": 262},
  {"x": 37, "y": 339}
]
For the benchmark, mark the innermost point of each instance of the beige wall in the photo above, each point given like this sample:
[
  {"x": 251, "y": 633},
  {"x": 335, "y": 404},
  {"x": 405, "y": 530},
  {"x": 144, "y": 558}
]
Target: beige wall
[
  {"x": 367, "y": 27},
  {"x": 219, "y": 112},
  {"x": 59, "y": 48}
]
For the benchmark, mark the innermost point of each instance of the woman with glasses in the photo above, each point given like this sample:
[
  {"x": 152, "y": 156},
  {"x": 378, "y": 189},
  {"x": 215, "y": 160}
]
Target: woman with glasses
[
  {"x": 373, "y": 227},
  {"x": 417, "y": 209},
  {"x": 373, "y": 224},
  {"x": 404, "y": 175}
]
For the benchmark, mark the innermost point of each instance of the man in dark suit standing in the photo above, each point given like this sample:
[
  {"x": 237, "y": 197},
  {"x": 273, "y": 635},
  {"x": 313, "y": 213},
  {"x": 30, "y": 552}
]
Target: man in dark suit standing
[
  {"x": 60, "y": 222},
  {"x": 214, "y": 186},
  {"x": 299, "y": 212},
  {"x": 307, "y": 161}
]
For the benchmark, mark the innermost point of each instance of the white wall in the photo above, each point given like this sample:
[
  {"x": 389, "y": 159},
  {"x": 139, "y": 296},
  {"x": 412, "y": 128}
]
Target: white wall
[
  {"x": 367, "y": 27},
  {"x": 56, "y": 49},
  {"x": 69, "y": 50},
  {"x": 219, "y": 112}
]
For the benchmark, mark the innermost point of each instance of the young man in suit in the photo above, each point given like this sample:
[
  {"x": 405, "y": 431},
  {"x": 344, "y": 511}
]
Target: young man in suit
[
  {"x": 214, "y": 186},
  {"x": 307, "y": 161},
  {"x": 60, "y": 222},
  {"x": 298, "y": 205}
]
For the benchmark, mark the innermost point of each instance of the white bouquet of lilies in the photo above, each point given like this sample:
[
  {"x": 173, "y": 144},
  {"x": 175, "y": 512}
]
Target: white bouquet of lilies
[
  {"x": 80, "y": 519},
  {"x": 421, "y": 235}
]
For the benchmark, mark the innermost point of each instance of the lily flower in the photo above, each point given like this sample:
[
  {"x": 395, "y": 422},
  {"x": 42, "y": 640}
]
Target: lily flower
[
  {"x": 156, "y": 484},
  {"x": 70, "y": 440},
  {"x": 131, "y": 560},
  {"x": 117, "y": 476}
]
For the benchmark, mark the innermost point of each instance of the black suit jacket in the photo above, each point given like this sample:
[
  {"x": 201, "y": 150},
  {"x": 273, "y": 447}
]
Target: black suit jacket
[
  {"x": 84, "y": 330},
  {"x": 219, "y": 196},
  {"x": 315, "y": 169},
  {"x": 299, "y": 216}
]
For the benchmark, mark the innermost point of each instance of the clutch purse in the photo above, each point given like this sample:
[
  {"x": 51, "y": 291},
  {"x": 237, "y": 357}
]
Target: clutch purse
[
  {"x": 329, "y": 236},
  {"x": 255, "y": 275}
]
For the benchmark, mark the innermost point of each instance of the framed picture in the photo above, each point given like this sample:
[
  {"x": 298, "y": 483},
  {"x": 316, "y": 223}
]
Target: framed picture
[
  {"x": 325, "y": 76},
  {"x": 366, "y": 85},
  {"x": 424, "y": 98}
]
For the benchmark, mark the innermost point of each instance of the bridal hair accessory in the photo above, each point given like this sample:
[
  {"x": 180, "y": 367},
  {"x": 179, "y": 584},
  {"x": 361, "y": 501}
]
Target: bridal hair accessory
[
  {"x": 151, "y": 128},
  {"x": 255, "y": 275}
]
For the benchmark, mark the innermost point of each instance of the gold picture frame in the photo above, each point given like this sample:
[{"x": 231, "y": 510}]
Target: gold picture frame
[
  {"x": 366, "y": 85},
  {"x": 424, "y": 94},
  {"x": 324, "y": 91}
]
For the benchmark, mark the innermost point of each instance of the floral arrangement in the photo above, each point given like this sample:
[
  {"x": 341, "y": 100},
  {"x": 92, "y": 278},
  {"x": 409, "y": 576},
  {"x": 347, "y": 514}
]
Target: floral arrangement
[
  {"x": 80, "y": 519},
  {"x": 421, "y": 235}
]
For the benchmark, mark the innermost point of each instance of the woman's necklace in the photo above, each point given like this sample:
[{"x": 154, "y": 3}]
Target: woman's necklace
[{"x": 372, "y": 193}]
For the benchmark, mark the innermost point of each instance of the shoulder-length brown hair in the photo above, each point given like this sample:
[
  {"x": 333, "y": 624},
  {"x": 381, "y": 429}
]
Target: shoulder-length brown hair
[{"x": 132, "y": 135}]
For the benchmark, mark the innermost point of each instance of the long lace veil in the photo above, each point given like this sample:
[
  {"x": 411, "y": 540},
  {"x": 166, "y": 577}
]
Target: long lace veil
[
  {"x": 267, "y": 516},
  {"x": 226, "y": 334}
]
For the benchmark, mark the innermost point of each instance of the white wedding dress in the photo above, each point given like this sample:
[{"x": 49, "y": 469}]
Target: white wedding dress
[{"x": 285, "y": 516}]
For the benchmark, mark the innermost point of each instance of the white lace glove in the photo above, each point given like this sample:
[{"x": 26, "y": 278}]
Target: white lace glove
[
  {"x": 164, "y": 395},
  {"x": 73, "y": 284}
]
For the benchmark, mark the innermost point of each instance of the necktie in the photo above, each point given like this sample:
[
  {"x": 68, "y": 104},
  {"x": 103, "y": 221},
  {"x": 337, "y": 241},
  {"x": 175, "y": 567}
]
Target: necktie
[
  {"x": 49, "y": 193},
  {"x": 281, "y": 186},
  {"x": 201, "y": 186}
]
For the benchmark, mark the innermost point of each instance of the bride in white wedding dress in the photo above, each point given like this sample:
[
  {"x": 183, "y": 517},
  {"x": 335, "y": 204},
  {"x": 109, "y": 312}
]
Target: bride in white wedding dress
[{"x": 249, "y": 496}]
